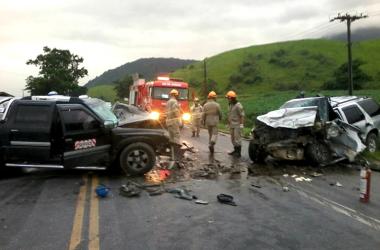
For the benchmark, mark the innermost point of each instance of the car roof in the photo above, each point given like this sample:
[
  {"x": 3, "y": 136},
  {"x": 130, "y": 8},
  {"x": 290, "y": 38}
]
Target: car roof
[
  {"x": 5, "y": 98},
  {"x": 345, "y": 100}
]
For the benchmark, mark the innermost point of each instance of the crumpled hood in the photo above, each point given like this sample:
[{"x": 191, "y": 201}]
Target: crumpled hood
[
  {"x": 290, "y": 117},
  {"x": 132, "y": 118}
]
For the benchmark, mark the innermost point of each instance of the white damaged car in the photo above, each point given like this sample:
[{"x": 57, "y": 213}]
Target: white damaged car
[{"x": 307, "y": 129}]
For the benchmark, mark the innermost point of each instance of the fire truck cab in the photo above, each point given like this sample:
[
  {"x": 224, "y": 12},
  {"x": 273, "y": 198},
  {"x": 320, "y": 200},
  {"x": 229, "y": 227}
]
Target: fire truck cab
[{"x": 152, "y": 96}]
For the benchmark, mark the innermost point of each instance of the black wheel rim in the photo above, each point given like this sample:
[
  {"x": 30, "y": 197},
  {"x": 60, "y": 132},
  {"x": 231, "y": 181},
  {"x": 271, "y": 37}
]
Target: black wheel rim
[{"x": 137, "y": 159}]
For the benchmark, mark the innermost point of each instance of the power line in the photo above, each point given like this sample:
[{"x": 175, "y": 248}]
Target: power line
[{"x": 349, "y": 19}]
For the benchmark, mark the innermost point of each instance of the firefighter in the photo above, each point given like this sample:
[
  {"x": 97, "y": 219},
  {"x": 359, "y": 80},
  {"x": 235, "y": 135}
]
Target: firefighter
[
  {"x": 235, "y": 122},
  {"x": 173, "y": 115},
  {"x": 211, "y": 116},
  {"x": 196, "y": 115}
]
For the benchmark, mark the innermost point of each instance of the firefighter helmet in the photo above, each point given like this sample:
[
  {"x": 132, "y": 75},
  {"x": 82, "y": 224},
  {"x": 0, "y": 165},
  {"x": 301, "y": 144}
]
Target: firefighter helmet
[
  {"x": 212, "y": 94},
  {"x": 174, "y": 92},
  {"x": 231, "y": 94}
]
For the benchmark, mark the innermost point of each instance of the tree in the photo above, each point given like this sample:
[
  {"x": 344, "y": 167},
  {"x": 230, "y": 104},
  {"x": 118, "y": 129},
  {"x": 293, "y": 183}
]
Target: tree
[
  {"x": 122, "y": 86},
  {"x": 59, "y": 70},
  {"x": 340, "y": 76}
]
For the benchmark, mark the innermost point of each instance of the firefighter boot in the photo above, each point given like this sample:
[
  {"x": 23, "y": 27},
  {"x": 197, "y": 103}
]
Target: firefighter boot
[
  {"x": 211, "y": 148},
  {"x": 178, "y": 153},
  {"x": 232, "y": 152},
  {"x": 237, "y": 151}
]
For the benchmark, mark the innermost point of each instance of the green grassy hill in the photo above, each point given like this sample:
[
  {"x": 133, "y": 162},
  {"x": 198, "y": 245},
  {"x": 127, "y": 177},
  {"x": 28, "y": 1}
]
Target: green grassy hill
[
  {"x": 293, "y": 65},
  {"x": 285, "y": 69},
  {"x": 105, "y": 92}
]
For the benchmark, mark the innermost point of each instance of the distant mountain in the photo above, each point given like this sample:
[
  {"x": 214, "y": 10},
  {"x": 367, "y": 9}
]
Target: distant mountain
[
  {"x": 147, "y": 67},
  {"x": 358, "y": 35}
]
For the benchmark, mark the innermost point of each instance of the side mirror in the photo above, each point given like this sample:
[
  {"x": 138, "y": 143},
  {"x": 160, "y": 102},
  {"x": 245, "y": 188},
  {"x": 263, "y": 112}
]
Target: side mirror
[{"x": 108, "y": 124}]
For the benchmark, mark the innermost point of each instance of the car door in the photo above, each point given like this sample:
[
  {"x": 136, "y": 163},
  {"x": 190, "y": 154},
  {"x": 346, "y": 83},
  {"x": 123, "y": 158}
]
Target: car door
[
  {"x": 29, "y": 135},
  {"x": 87, "y": 143},
  {"x": 355, "y": 117}
]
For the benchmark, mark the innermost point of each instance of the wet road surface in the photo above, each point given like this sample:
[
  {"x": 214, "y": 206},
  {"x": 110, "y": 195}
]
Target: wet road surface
[{"x": 53, "y": 209}]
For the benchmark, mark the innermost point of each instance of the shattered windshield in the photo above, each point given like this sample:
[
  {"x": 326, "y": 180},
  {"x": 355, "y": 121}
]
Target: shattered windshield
[
  {"x": 101, "y": 109},
  {"x": 321, "y": 103}
]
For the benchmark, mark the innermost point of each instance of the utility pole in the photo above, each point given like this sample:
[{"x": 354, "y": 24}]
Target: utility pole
[
  {"x": 205, "y": 76},
  {"x": 349, "y": 19}
]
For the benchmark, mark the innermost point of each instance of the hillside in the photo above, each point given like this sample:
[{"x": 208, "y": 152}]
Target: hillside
[
  {"x": 293, "y": 65},
  {"x": 147, "y": 67}
]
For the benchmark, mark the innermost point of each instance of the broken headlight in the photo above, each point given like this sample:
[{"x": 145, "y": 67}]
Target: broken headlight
[{"x": 333, "y": 131}]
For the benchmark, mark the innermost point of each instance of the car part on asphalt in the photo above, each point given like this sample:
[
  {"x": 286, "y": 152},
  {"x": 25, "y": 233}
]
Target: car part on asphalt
[
  {"x": 226, "y": 199},
  {"x": 201, "y": 202},
  {"x": 102, "y": 191},
  {"x": 129, "y": 190}
]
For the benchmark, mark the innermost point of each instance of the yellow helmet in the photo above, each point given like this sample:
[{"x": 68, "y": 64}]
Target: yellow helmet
[
  {"x": 174, "y": 92},
  {"x": 212, "y": 94},
  {"x": 231, "y": 94}
]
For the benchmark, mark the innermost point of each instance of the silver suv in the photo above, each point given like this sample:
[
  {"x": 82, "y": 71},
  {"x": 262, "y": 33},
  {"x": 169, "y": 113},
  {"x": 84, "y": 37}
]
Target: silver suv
[{"x": 361, "y": 112}]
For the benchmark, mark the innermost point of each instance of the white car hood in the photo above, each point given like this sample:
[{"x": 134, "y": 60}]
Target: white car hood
[{"x": 290, "y": 117}]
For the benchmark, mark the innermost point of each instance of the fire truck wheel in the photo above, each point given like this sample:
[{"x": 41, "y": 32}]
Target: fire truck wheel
[{"x": 137, "y": 158}]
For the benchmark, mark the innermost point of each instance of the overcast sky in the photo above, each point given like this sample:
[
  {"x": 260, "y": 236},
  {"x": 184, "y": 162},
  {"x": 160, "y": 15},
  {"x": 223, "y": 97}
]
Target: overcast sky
[{"x": 110, "y": 33}]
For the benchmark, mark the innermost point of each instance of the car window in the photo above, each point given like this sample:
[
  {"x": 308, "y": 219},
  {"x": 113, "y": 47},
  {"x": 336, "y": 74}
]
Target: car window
[
  {"x": 78, "y": 119},
  {"x": 370, "y": 106},
  {"x": 353, "y": 114},
  {"x": 39, "y": 116}
]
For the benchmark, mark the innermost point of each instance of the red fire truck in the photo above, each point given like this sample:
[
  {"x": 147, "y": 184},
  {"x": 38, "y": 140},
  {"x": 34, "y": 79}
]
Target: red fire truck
[{"x": 152, "y": 96}]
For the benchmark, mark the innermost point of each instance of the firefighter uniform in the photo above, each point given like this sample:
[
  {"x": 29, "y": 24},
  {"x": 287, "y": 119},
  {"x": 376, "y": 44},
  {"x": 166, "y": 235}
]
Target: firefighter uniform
[
  {"x": 211, "y": 116},
  {"x": 196, "y": 116},
  {"x": 235, "y": 121},
  {"x": 173, "y": 120}
]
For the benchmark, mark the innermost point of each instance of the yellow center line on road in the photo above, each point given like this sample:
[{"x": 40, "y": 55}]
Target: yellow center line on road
[
  {"x": 76, "y": 233},
  {"x": 93, "y": 235}
]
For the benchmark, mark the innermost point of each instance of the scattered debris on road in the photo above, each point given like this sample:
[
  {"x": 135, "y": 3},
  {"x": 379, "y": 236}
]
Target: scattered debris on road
[
  {"x": 129, "y": 190},
  {"x": 102, "y": 191},
  {"x": 255, "y": 185},
  {"x": 201, "y": 202},
  {"x": 226, "y": 199}
]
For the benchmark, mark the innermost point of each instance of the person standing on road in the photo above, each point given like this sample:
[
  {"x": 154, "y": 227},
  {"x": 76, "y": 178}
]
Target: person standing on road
[
  {"x": 235, "y": 122},
  {"x": 173, "y": 115},
  {"x": 196, "y": 115},
  {"x": 211, "y": 116}
]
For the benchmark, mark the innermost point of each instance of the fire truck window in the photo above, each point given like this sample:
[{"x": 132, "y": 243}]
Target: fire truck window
[{"x": 163, "y": 93}]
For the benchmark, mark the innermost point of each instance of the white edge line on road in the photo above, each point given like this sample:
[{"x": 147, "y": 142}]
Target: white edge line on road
[{"x": 365, "y": 219}]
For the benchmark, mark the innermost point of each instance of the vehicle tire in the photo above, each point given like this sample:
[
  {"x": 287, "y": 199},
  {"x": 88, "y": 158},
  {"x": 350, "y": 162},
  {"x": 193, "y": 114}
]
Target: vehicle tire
[
  {"x": 137, "y": 158},
  {"x": 318, "y": 153},
  {"x": 255, "y": 153},
  {"x": 371, "y": 142}
]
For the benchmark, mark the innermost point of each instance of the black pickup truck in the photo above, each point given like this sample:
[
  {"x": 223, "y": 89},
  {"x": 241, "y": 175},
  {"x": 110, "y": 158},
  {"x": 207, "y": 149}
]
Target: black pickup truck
[{"x": 68, "y": 132}]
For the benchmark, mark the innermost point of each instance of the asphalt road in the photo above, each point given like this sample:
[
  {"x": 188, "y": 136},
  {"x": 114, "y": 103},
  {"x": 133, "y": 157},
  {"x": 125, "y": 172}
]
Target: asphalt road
[{"x": 53, "y": 209}]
